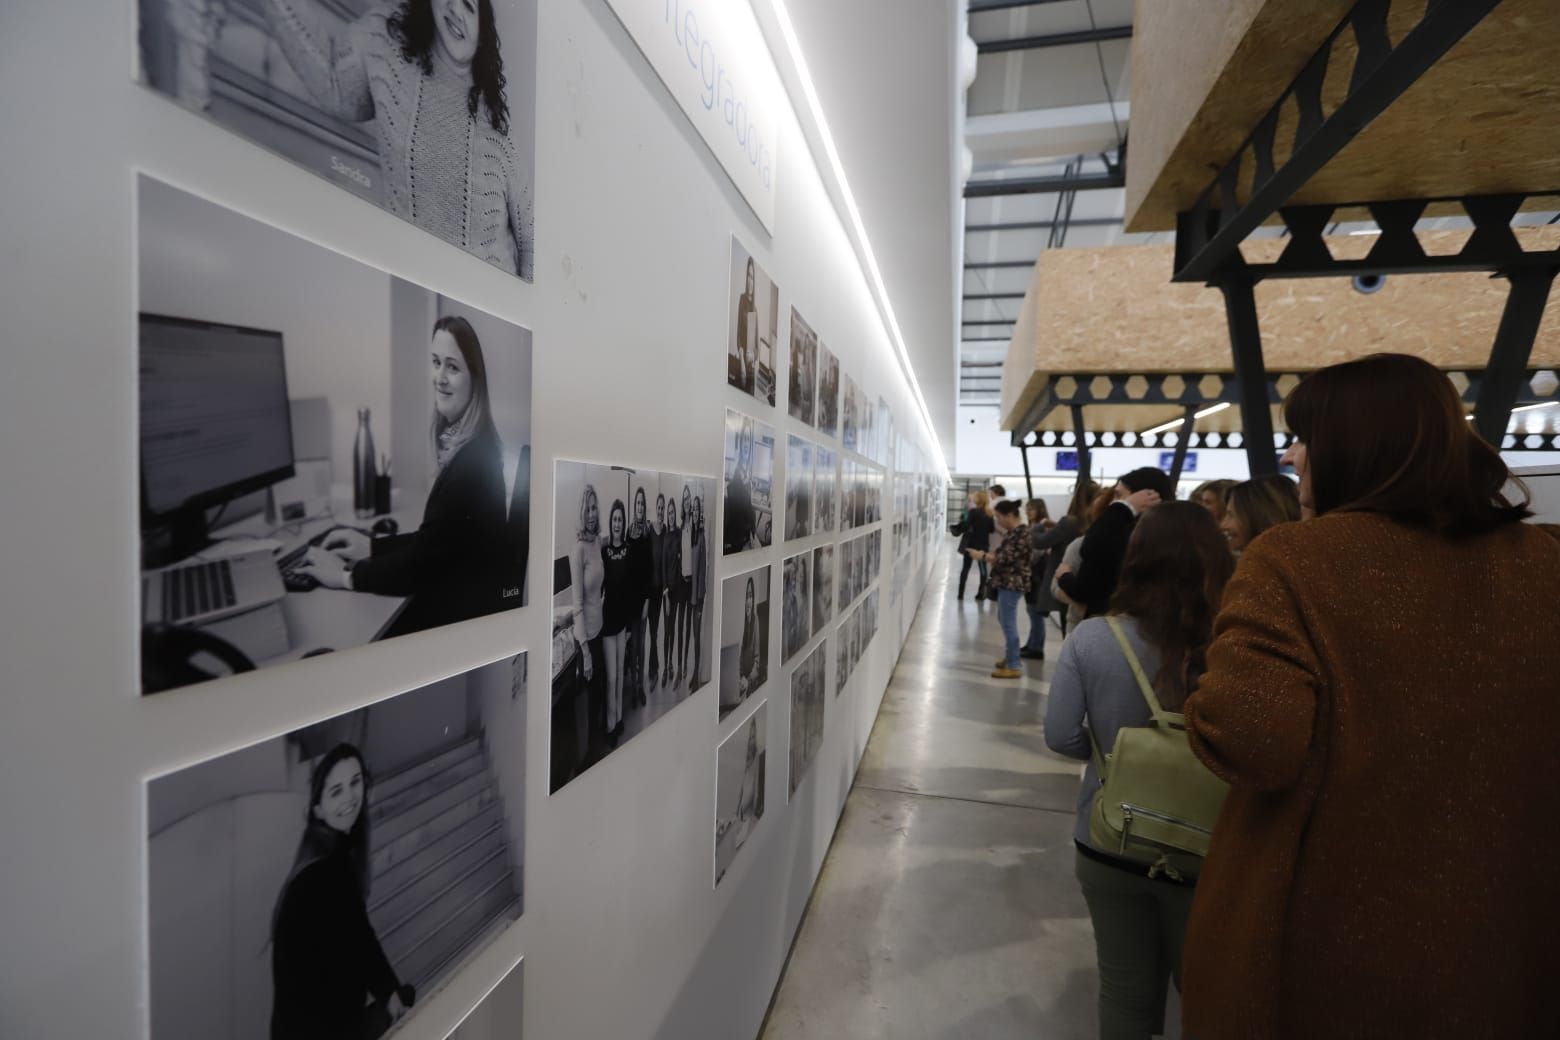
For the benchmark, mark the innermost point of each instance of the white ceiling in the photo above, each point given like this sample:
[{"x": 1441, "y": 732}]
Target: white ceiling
[{"x": 884, "y": 71}]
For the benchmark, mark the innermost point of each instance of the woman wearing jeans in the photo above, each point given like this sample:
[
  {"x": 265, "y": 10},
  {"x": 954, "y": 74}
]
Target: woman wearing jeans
[{"x": 1010, "y": 574}]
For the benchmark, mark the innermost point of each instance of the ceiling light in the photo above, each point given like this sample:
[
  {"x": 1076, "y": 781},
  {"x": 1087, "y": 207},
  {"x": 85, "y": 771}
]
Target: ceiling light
[
  {"x": 1532, "y": 407},
  {"x": 1209, "y": 411},
  {"x": 1173, "y": 423},
  {"x": 1368, "y": 231}
]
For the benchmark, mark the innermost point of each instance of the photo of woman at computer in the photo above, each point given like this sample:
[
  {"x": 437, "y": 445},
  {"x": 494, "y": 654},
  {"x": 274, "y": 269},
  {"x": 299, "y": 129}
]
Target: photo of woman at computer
[
  {"x": 803, "y": 370},
  {"x": 423, "y": 106},
  {"x": 739, "y": 788},
  {"x": 608, "y": 583},
  {"x": 755, "y": 325},
  {"x": 329, "y": 455},
  {"x": 744, "y": 635},
  {"x": 749, "y": 483}
]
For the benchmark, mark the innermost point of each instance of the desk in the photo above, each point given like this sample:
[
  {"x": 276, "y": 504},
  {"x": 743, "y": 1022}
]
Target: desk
[{"x": 324, "y": 618}]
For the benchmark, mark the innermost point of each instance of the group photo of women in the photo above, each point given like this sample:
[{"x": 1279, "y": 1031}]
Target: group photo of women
[
  {"x": 424, "y": 107},
  {"x": 294, "y": 886},
  {"x": 633, "y": 576}
]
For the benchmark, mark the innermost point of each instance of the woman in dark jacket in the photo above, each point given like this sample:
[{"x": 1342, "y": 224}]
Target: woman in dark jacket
[
  {"x": 619, "y": 606},
  {"x": 978, "y": 526},
  {"x": 1380, "y": 696},
  {"x": 330, "y": 977},
  {"x": 450, "y": 568},
  {"x": 1046, "y": 545}
]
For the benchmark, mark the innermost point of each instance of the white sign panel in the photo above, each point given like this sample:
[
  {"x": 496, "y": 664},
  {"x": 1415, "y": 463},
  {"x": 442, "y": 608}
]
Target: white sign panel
[{"x": 712, "y": 57}]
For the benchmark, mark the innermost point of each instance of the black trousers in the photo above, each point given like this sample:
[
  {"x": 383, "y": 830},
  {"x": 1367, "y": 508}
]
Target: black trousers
[{"x": 964, "y": 573}]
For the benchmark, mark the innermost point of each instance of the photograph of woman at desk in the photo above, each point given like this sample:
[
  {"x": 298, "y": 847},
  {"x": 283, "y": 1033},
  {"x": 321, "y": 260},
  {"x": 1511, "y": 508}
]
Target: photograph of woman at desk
[
  {"x": 604, "y": 593},
  {"x": 744, "y": 634},
  {"x": 445, "y": 568},
  {"x": 739, "y": 789},
  {"x": 749, "y": 476},
  {"x": 423, "y": 106},
  {"x": 328, "y": 455}
]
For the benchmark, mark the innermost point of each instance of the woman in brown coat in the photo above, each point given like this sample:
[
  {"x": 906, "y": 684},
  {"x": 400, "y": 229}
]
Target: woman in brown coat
[{"x": 1383, "y": 695}]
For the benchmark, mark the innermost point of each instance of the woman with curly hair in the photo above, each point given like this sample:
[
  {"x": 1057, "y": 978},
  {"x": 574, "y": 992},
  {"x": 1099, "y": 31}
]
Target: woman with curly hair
[{"x": 429, "y": 76}]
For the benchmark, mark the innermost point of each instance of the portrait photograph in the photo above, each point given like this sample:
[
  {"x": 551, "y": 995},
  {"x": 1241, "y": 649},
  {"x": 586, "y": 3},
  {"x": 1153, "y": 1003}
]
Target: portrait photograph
[
  {"x": 803, "y": 371},
  {"x": 825, "y": 489},
  {"x": 744, "y": 637},
  {"x": 828, "y": 391},
  {"x": 754, "y": 326},
  {"x": 796, "y": 606},
  {"x": 842, "y": 656},
  {"x": 748, "y": 520},
  {"x": 328, "y": 455},
  {"x": 807, "y": 701},
  {"x": 798, "y": 488},
  {"x": 739, "y": 788},
  {"x": 425, "y": 108},
  {"x": 499, "y": 1015},
  {"x": 331, "y": 880},
  {"x": 844, "y": 550},
  {"x": 850, "y": 406},
  {"x": 823, "y": 587},
  {"x": 633, "y": 632}
]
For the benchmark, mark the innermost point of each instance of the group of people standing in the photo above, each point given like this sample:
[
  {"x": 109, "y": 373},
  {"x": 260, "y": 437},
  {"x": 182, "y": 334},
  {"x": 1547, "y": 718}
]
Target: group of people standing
[
  {"x": 1361, "y": 878},
  {"x": 640, "y": 588}
]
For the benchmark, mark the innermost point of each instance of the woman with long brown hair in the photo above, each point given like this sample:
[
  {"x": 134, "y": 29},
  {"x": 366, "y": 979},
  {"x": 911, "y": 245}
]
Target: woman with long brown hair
[
  {"x": 1172, "y": 582},
  {"x": 1253, "y": 506},
  {"x": 1381, "y": 698}
]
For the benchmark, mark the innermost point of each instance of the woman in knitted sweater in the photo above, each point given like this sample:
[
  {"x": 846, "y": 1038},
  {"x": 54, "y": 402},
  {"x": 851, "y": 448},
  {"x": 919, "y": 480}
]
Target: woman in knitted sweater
[
  {"x": 429, "y": 76},
  {"x": 1381, "y": 697},
  {"x": 1011, "y": 571}
]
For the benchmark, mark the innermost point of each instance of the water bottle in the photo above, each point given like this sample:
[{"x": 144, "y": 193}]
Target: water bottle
[{"x": 363, "y": 471}]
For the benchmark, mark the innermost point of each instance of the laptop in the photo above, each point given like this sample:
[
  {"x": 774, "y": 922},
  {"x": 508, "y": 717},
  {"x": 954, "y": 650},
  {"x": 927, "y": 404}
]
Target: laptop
[{"x": 197, "y": 591}]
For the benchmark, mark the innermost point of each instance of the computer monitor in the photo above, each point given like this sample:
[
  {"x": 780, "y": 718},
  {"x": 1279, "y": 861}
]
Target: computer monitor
[{"x": 215, "y": 425}]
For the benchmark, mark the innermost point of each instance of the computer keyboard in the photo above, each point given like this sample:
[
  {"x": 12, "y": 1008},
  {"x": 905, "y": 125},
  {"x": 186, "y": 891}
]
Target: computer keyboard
[
  {"x": 198, "y": 588},
  {"x": 288, "y": 563}
]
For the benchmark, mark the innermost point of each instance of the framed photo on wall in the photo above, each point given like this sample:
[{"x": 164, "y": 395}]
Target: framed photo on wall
[{"x": 754, "y": 326}]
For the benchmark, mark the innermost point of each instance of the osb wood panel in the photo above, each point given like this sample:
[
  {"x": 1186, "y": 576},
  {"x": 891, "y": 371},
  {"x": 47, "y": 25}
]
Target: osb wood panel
[
  {"x": 1482, "y": 120},
  {"x": 1114, "y": 310},
  {"x": 1203, "y": 73}
]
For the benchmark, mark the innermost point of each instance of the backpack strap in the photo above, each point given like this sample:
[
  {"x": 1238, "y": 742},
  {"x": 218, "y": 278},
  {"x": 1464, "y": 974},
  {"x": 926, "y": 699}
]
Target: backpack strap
[{"x": 1161, "y": 716}]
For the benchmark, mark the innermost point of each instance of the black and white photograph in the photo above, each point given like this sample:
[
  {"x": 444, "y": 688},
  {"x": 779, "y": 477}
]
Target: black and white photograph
[
  {"x": 423, "y": 107},
  {"x": 807, "y": 701},
  {"x": 744, "y": 637},
  {"x": 803, "y": 371},
  {"x": 329, "y": 881},
  {"x": 755, "y": 326},
  {"x": 828, "y": 391},
  {"x": 846, "y": 550},
  {"x": 869, "y": 619},
  {"x": 825, "y": 489},
  {"x": 328, "y": 455},
  {"x": 850, "y": 407},
  {"x": 500, "y": 1014},
  {"x": 739, "y": 788},
  {"x": 633, "y": 629},
  {"x": 796, "y": 608},
  {"x": 749, "y": 517},
  {"x": 842, "y": 655},
  {"x": 798, "y": 488},
  {"x": 823, "y": 587}
]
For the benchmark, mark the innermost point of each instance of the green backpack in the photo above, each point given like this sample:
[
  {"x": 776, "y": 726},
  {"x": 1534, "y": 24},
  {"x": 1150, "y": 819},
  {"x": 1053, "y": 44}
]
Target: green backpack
[{"x": 1158, "y": 803}]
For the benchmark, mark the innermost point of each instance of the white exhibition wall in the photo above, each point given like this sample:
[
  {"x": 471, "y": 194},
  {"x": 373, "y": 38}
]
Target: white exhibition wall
[{"x": 623, "y": 934}]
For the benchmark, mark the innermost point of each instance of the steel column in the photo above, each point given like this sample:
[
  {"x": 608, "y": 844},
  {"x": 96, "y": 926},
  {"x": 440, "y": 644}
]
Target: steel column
[
  {"x": 1240, "y": 309},
  {"x": 1081, "y": 442},
  {"x": 1183, "y": 442},
  {"x": 1115, "y": 178},
  {"x": 1029, "y": 484},
  {"x": 1507, "y": 368}
]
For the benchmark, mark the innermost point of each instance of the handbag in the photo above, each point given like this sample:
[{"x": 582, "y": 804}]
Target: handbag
[{"x": 1157, "y": 802}]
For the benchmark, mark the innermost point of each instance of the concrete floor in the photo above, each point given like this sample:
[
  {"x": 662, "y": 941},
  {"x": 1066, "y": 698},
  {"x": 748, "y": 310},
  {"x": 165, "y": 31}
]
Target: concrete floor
[{"x": 947, "y": 906}]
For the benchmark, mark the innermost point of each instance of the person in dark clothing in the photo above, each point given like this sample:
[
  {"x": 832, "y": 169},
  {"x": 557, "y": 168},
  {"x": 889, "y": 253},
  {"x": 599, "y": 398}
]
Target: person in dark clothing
[
  {"x": 641, "y": 557},
  {"x": 1046, "y": 543},
  {"x": 978, "y": 527},
  {"x": 752, "y": 665},
  {"x": 747, "y": 337},
  {"x": 657, "y": 588},
  {"x": 618, "y": 608},
  {"x": 671, "y": 567},
  {"x": 1105, "y": 546},
  {"x": 741, "y": 520},
  {"x": 701, "y": 565},
  {"x": 451, "y": 568},
  {"x": 330, "y": 977}
]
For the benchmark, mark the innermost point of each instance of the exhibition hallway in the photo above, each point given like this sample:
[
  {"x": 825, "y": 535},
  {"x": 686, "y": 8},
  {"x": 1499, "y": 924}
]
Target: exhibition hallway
[{"x": 947, "y": 906}]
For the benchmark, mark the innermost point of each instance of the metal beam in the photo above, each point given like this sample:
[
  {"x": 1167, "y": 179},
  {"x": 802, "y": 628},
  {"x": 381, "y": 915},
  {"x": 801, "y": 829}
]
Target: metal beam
[
  {"x": 1208, "y": 236},
  {"x": 982, "y": 189},
  {"x": 995, "y": 296},
  {"x": 985, "y": 339},
  {"x": 1029, "y": 484},
  {"x": 1043, "y": 225},
  {"x": 990, "y": 264},
  {"x": 1099, "y": 34},
  {"x": 994, "y": 321},
  {"x": 1240, "y": 310},
  {"x": 1081, "y": 442},
  {"x": 1507, "y": 368},
  {"x": 1181, "y": 444},
  {"x": 977, "y": 6}
]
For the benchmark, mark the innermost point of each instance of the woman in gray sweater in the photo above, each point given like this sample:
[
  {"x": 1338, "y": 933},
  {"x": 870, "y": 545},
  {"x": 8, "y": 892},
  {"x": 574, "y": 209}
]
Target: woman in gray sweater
[{"x": 1172, "y": 582}]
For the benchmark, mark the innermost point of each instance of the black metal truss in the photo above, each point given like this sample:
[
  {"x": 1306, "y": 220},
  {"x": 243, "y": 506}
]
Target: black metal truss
[
  {"x": 1493, "y": 246},
  {"x": 1208, "y": 236},
  {"x": 1112, "y": 178},
  {"x": 1099, "y": 34},
  {"x": 1199, "y": 390},
  {"x": 1067, "y": 440}
]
